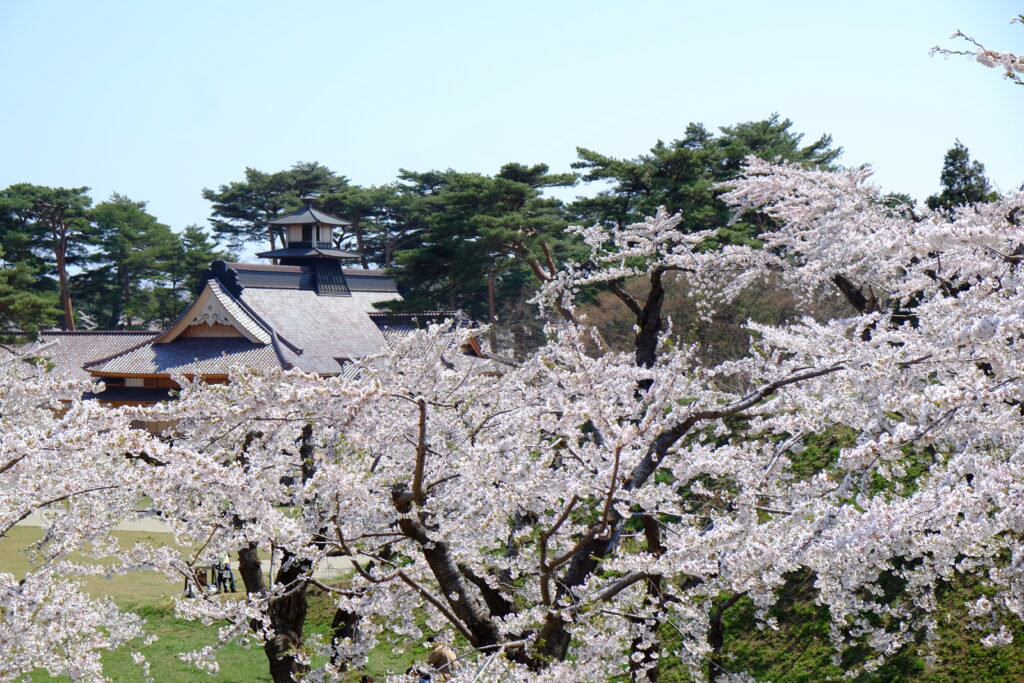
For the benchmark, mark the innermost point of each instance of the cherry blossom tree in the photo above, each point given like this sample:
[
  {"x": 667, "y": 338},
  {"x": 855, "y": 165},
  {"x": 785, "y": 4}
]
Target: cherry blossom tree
[
  {"x": 560, "y": 514},
  {"x": 1011, "y": 64},
  {"x": 70, "y": 462},
  {"x": 931, "y": 380}
]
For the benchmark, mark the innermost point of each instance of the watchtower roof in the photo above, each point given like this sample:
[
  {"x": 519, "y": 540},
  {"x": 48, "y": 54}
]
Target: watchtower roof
[{"x": 308, "y": 215}]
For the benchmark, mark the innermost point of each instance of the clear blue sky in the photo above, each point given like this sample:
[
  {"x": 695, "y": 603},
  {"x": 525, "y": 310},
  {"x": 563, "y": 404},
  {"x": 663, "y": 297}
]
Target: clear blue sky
[{"x": 159, "y": 100}]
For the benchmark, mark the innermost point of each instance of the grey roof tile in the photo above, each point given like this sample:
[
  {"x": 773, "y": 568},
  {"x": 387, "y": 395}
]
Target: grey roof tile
[
  {"x": 274, "y": 277},
  {"x": 359, "y": 282},
  {"x": 302, "y": 277},
  {"x": 255, "y": 327},
  {"x": 250, "y": 326},
  {"x": 190, "y": 356},
  {"x": 68, "y": 351},
  {"x": 325, "y": 329},
  {"x": 329, "y": 279}
]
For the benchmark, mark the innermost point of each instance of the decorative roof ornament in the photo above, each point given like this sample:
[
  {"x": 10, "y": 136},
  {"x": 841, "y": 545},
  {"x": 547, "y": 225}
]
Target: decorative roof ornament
[{"x": 222, "y": 273}]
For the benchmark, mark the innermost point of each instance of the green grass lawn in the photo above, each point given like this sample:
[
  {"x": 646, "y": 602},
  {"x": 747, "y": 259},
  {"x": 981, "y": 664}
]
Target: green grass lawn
[
  {"x": 798, "y": 651},
  {"x": 151, "y": 596}
]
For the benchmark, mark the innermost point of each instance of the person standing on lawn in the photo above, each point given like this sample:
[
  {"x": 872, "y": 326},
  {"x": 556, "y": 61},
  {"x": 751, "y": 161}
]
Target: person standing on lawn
[{"x": 225, "y": 577}]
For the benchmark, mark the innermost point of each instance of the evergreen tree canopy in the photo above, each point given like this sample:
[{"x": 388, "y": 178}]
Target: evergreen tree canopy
[
  {"x": 22, "y": 306},
  {"x": 48, "y": 229},
  {"x": 133, "y": 251},
  {"x": 241, "y": 209},
  {"x": 195, "y": 252},
  {"x": 360, "y": 206},
  {"x": 394, "y": 221},
  {"x": 963, "y": 181},
  {"x": 682, "y": 175},
  {"x": 475, "y": 232}
]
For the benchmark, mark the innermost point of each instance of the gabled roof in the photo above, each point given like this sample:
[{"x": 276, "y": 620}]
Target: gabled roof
[
  {"x": 280, "y": 327},
  {"x": 308, "y": 215},
  {"x": 215, "y": 305}
]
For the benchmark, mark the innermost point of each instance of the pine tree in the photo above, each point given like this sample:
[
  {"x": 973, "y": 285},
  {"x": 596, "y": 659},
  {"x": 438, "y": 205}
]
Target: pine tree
[
  {"x": 963, "y": 181},
  {"x": 476, "y": 232},
  {"x": 47, "y": 228},
  {"x": 22, "y": 307},
  {"x": 682, "y": 175},
  {"x": 133, "y": 251}
]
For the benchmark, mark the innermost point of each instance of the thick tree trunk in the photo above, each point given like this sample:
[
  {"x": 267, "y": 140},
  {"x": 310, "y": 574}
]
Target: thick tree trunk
[
  {"x": 65, "y": 287},
  {"x": 649, "y": 324},
  {"x": 249, "y": 568},
  {"x": 54, "y": 220},
  {"x": 519, "y": 334},
  {"x": 345, "y": 625},
  {"x": 716, "y": 635},
  {"x": 648, "y": 320},
  {"x": 121, "y": 302},
  {"x": 357, "y": 228},
  {"x": 462, "y": 601},
  {"x": 287, "y": 612},
  {"x": 287, "y": 618}
]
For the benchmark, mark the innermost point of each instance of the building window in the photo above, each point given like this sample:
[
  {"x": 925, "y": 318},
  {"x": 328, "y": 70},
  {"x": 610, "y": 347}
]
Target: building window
[{"x": 307, "y": 233}]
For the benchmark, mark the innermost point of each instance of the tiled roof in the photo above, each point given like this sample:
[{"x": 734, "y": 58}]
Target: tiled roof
[
  {"x": 369, "y": 272},
  {"x": 297, "y": 328},
  {"x": 323, "y": 328},
  {"x": 190, "y": 356},
  {"x": 308, "y": 215},
  {"x": 398, "y": 325},
  {"x": 270, "y": 267},
  {"x": 369, "y": 281},
  {"x": 273, "y": 277},
  {"x": 329, "y": 279},
  {"x": 264, "y": 275},
  {"x": 255, "y": 327},
  {"x": 406, "y": 322},
  {"x": 69, "y": 350}
]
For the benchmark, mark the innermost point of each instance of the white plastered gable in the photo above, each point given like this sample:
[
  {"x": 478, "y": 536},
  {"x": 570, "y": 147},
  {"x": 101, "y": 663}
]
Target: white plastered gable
[{"x": 216, "y": 307}]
